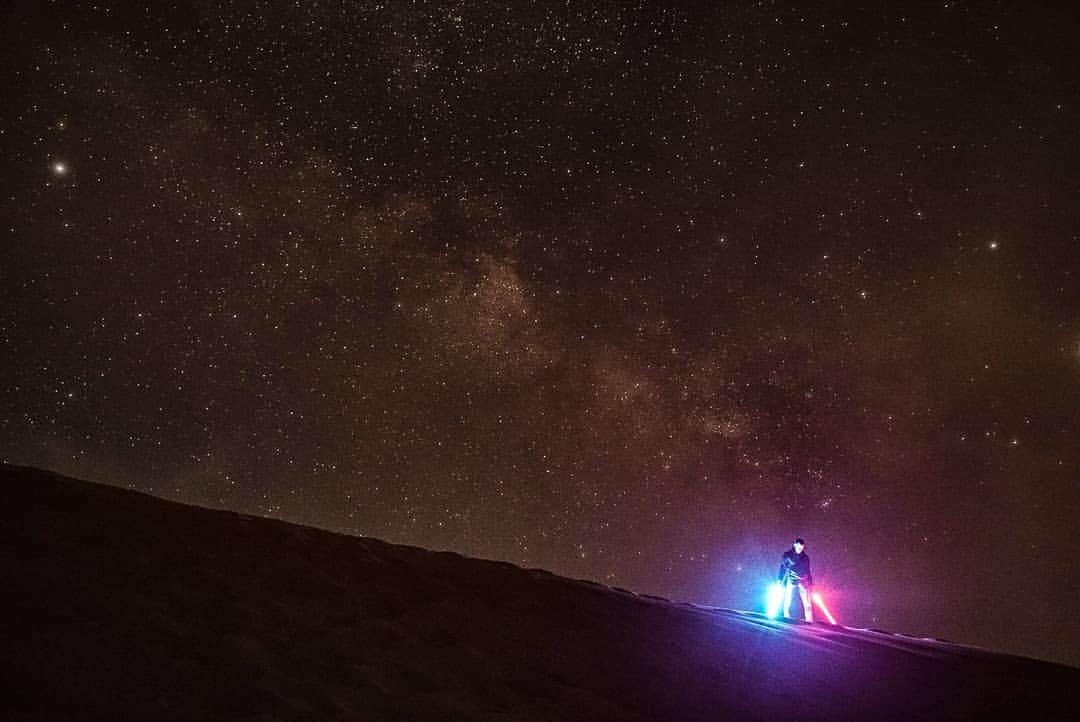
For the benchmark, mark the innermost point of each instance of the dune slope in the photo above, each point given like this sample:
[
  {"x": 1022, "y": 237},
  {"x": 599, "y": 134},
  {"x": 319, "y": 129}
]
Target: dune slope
[{"x": 120, "y": 605}]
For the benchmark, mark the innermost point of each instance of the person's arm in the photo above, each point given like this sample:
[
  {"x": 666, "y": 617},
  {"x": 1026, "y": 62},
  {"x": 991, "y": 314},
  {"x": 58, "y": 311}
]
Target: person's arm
[{"x": 783, "y": 569}]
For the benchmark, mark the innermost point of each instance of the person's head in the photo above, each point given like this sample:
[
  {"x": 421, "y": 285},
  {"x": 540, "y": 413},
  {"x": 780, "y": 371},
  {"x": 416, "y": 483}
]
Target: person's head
[{"x": 798, "y": 546}]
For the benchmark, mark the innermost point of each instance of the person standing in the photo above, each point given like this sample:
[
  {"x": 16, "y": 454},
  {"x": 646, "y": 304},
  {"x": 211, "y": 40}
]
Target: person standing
[{"x": 795, "y": 574}]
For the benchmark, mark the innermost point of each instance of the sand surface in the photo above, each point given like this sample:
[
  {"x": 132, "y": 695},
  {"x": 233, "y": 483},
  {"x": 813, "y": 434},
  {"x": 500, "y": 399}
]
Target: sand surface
[{"x": 119, "y": 605}]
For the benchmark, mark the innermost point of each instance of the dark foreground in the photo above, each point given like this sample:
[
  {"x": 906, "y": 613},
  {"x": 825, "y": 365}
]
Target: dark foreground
[{"x": 122, "y": 606}]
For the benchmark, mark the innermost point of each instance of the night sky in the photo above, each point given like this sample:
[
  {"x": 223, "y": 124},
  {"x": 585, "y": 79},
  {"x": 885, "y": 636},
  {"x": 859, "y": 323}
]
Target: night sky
[{"x": 635, "y": 292}]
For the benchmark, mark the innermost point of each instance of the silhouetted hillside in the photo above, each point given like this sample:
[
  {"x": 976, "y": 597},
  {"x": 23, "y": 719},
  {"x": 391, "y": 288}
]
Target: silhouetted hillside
[{"x": 120, "y": 606}]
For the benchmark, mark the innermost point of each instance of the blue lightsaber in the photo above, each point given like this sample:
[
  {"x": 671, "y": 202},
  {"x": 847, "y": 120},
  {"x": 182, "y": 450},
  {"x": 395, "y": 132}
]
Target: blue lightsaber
[{"x": 774, "y": 600}]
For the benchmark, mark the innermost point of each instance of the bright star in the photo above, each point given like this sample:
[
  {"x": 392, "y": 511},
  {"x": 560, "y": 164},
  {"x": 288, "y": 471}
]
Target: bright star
[{"x": 59, "y": 168}]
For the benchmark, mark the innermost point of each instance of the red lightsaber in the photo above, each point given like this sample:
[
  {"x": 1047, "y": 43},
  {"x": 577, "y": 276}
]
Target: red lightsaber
[{"x": 821, "y": 604}]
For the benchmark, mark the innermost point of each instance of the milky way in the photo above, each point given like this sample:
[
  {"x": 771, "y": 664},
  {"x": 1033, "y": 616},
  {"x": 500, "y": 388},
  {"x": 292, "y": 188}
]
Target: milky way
[{"x": 633, "y": 292}]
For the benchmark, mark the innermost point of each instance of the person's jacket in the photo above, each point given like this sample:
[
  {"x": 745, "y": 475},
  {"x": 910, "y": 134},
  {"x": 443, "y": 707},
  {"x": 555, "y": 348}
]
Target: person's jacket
[{"x": 796, "y": 568}]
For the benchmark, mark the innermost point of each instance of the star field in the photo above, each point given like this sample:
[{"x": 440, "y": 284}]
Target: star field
[{"x": 635, "y": 292}]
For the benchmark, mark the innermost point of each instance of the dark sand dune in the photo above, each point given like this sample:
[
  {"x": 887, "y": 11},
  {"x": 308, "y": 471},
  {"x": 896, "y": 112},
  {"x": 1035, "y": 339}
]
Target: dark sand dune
[{"x": 119, "y": 606}]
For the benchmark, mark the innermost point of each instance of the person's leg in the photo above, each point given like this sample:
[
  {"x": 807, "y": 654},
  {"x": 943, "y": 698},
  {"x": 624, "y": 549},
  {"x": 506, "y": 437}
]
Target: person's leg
[
  {"x": 787, "y": 600},
  {"x": 807, "y": 603}
]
